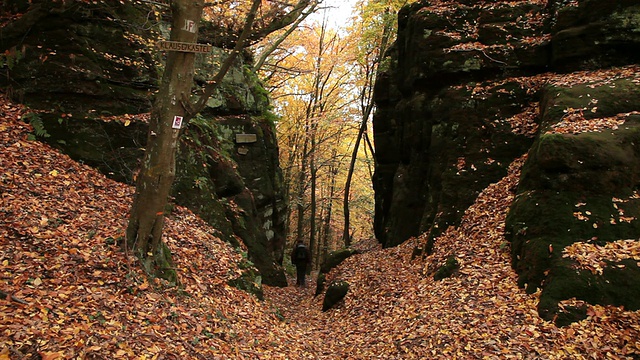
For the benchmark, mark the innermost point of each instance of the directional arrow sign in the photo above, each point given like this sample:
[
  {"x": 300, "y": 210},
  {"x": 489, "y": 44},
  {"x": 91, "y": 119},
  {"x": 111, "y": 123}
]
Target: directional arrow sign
[{"x": 184, "y": 47}]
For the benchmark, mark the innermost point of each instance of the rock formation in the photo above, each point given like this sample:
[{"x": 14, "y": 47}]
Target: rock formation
[
  {"x": 89, "y": 71},
  {"x": 473, "y": 85}
]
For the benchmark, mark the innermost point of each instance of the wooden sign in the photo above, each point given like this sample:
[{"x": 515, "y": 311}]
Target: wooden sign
[
  {"x": 184, "y": 47},
  {"x": 246, "y": 138}
]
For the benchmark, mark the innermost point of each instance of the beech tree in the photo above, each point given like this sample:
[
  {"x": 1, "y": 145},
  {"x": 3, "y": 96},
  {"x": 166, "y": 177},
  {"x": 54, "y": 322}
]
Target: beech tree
[{"x": 172, "y": 110}]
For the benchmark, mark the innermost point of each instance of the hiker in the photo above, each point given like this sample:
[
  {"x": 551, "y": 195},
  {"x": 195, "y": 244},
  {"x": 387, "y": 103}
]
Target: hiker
[{"x": 300, "y": 257}]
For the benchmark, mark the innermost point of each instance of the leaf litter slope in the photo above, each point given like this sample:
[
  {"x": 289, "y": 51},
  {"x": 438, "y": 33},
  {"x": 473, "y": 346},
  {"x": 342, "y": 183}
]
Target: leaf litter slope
[
  {"x": 59, "y": 222},
  {"x": 87, "y": 299}
]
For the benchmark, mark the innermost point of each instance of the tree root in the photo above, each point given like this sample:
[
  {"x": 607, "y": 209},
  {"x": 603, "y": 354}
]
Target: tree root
[{"x": 9, "y": 297}]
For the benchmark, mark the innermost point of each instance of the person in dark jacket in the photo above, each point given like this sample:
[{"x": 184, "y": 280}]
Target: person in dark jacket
[{"x": 300, "y": 257}]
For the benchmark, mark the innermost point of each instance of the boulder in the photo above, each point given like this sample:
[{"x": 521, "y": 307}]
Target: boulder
[{"x": 335, "y": 293}]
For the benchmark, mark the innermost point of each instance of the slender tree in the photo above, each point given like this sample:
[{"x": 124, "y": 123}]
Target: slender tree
[
  {"x": 377, "y": 27},
  {"x": 157, "y": 172}
]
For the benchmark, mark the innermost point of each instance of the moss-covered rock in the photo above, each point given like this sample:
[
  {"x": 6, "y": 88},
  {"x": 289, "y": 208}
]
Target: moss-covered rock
[
  {"x": 335, "y": 292},
  {"x": 470, "y": 87},
  {"x": 335, "y": 258},
  {"x": 320, "y": 282},
  {"x": 82, "y": 59},
  {"x": 578, "y": 188},
  {"x": 249, "y": 281},
  {"x": 618, "y": 284},
  {"x": 448, "y": 269}
]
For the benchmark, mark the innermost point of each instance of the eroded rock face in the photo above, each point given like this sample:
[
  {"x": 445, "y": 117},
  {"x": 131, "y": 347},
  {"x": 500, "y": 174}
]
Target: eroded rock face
[
  {"x": 91, "y": 69},
  {"x": 473, "y": 85},
  {"x": 579, "y": 189}
]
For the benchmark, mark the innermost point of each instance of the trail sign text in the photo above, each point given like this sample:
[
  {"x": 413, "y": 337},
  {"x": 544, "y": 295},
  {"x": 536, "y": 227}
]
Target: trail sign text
[
  {"x": 190, "y": 26},
  {"x": 184, "y": 47}
]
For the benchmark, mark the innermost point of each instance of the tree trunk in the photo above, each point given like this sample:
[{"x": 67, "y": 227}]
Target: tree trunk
[
  {"x": 346, "y": 236},
  {"x": 329, "y": 212},
  {"x": 157, "y": 172},
  {"x": 314, "y": 176},
  {"x": 171, "y": 111},
  {"x": 302, "y": 177}
]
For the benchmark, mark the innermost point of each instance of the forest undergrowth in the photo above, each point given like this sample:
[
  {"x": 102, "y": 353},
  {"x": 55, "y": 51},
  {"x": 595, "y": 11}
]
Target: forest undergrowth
[{"x": 69, "y": 291}]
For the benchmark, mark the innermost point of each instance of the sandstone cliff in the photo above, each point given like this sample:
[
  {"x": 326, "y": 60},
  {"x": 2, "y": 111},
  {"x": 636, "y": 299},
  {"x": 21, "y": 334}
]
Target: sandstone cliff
[{"x": 473, "y": 85}]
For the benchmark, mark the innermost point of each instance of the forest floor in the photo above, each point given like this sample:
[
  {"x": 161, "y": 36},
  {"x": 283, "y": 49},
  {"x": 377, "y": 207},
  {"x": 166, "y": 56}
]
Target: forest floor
[{"x": 68, "y": 291}]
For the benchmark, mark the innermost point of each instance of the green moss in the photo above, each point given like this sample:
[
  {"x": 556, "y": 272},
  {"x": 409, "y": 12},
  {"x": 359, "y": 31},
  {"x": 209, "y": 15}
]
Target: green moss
[
  {"x": 322, "y": 278},
  {"x": 449, "y": 268},
  {"x": 559, "y": 100},
  {"x": 629, "y": 18},
  {"x": 570, "y": 314},
  {"x": 618, "y": 285},
  {"x": 335, "y": 292},
  {"x": 335, "y": 258},
  {"x": 541, "y": 223},
  {"x": 271, "y": 119},
  {"x": 250, "y": 281},
  {"x": 260, "y": 94},
  {"x": 160, "y": 264},
  {"x": 471, "y": 64}
]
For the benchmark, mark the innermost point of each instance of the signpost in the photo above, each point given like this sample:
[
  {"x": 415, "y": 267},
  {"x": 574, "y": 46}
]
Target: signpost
[{"x": 184, "y": 47}]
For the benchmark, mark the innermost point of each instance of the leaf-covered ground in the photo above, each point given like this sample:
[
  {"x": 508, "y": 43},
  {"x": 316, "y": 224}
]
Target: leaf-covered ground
[{"x": 69, "y": 292}]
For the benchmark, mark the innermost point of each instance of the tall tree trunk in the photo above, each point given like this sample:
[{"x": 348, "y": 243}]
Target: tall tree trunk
[
  {"x": 157, "y": 172},
  {"x": 314, "y": 176},
  {"x": 327, "y": 221},
  {"x": 321, "y": 227},
  {"x": 372, "y": 163},
  {"x": 302, "y": 177},
  {"x": 346, "y": 235}
]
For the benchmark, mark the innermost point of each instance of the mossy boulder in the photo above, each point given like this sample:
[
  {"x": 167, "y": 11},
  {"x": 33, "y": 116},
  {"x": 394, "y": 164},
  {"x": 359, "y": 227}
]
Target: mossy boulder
[
  {"x": 335, "y": 292},
  {"x": 448, "y": 269},
  {"x": 578, "y": 187},
  {"x": 249, "y": 280},
  {"x": 320, "y": 282},
  {"x": 113, "y": 147},
  {"x": 453, "y": 78},
  {"x": 80, "y": 59},
  {"x": 335, "y": 258},
  {"x": 618, "y": 284}
]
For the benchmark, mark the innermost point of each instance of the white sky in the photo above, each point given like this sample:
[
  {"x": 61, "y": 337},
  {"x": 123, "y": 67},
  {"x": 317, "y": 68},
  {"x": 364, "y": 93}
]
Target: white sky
[{"x": 338, "y": 12}]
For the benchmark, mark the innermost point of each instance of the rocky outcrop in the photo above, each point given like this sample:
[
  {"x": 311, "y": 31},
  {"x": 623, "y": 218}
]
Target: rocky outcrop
[
  {"x": 89, "y": 70},
  {"x": 473, "y": 85},
  {"x": 579, "y": 190}
]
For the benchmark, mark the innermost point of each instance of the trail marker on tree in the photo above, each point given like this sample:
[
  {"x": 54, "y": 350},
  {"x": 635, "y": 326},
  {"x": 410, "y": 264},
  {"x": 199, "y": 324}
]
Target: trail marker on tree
[
  {"x": 184, "y": 47},
  {"x": 177, "y": 122}
]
